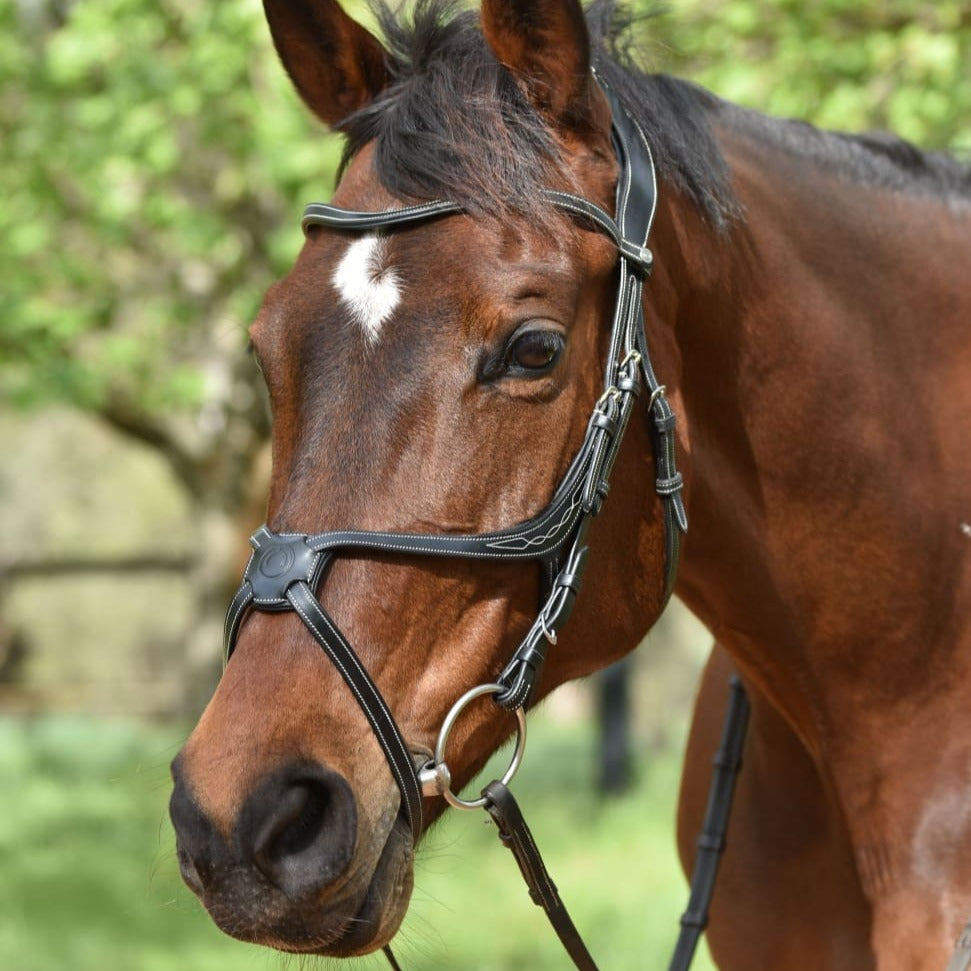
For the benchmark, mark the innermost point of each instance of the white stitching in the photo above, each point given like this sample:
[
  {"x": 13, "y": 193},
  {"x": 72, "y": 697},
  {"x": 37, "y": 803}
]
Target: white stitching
[
  {"x": 325, "y": 209},
  {"x": 320, "y": 213},
  {"x": 537, "y": 540},
  {"x": 230, "y": 626},
  {"x": 446, "y": 538},
  {"x": 335, "y": 659},
  {"x": 329, "y": 649},
  {"x": 550, "y": 888},
  {"x": 401, "y": 541}
]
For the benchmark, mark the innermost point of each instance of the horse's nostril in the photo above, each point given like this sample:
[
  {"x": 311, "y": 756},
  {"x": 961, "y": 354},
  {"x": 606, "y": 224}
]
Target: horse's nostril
[
  {"x": 297, "y": 819},
  {"x": 187, "y": 867},
  {"x": 199, "y": 846},
  {"x": 299, "y": 827}
]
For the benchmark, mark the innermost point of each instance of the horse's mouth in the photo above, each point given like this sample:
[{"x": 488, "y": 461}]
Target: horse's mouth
[
  {"x": 385, "y": 899},
  {"x": 360, "y": 918}
]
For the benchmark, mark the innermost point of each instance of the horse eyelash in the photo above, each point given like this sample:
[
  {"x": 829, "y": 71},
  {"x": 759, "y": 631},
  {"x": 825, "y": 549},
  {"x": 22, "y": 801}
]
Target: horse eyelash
[{"x": 254, "y": 357}]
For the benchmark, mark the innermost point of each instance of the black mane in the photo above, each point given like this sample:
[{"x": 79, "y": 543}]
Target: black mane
[
  {"x": 877, "y": 159},
  {"x": 454, "y": 124}
]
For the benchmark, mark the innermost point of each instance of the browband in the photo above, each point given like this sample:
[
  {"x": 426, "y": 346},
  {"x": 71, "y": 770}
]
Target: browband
[{"x": 333, "y": 217}]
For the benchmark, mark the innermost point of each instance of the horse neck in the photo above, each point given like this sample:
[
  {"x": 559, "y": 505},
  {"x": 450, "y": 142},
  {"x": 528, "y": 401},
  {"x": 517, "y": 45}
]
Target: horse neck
[{"x": 820, "y": 346}]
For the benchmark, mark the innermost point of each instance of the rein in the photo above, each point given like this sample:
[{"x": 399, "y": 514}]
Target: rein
[{"x": 285, "y": 569}]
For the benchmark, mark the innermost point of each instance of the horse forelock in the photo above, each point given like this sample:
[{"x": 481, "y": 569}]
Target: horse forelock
[{"x": 454, "y": 123}]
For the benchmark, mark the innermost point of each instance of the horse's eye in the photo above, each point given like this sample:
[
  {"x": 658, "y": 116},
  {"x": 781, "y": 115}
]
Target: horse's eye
[
  {"x": 534, "y": 352},
  {"x": 251, "y": 350}
]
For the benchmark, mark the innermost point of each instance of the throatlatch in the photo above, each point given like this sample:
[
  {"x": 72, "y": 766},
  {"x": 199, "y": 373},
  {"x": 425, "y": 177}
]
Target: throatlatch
[{"x": 286, "y": 569}]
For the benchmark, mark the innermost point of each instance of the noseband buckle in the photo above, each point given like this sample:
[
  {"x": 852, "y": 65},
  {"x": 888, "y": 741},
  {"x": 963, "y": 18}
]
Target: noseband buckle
[{"x": 280, "y": 560}]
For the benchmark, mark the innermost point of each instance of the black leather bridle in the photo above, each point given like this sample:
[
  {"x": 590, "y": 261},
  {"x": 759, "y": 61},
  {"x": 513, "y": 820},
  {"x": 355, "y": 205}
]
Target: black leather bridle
[{"x": 285, "y": 569}]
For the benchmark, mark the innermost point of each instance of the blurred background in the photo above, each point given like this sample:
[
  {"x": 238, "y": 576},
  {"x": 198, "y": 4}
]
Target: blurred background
[{"x": 153, "y": 165}]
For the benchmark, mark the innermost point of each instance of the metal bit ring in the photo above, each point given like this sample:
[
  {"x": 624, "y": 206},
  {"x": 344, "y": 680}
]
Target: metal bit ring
[{"x": 436, "y": 779}]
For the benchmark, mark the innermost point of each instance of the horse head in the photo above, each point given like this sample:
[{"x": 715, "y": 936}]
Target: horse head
[{"x": 430, "y": 377}]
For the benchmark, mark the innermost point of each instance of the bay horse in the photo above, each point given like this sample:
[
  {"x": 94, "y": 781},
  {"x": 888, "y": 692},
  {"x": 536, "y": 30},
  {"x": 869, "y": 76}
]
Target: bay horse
[{"x": 808, "y": 316}]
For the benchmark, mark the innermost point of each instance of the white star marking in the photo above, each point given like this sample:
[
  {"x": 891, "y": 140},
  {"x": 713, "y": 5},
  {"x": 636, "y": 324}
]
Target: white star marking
[{"x": 370, "y": 289}]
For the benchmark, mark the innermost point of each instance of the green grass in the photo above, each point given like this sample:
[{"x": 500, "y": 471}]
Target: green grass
[{"x": 89, "y": 882}]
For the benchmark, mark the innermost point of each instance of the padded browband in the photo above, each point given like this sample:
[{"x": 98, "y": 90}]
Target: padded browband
[{"x": 333, "y": 217}]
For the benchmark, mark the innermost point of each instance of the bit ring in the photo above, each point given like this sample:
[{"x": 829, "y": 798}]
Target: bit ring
[{"x": 435, "y": 777}]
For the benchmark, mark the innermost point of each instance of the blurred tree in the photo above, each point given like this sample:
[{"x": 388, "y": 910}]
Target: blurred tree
[
  {"x": 147, "y": 203},
  {"x": 151, "y": 156},
  {"x": 897, "y": 65},
  {"x": 153, "y": 160}
]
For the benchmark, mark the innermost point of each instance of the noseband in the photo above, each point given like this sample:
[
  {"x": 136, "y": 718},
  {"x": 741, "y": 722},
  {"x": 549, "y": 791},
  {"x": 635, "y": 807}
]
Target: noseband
[{"x": 285, "y": 569}]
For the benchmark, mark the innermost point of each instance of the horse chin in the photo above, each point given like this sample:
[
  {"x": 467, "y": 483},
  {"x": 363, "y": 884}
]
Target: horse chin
[
  {"x": 385, "y": 900},
  {"x": 364, "y": 917}
]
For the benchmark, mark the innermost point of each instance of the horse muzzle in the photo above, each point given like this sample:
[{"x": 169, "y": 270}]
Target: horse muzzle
[{"x": 298, "y": 872}]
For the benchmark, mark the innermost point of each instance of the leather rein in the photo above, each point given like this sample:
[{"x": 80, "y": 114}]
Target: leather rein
[{"x": 285, "y": 569}]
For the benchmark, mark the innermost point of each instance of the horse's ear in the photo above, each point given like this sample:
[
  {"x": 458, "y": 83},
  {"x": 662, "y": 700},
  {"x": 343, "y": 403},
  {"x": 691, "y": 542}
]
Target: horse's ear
[
  {"x": 334, "y": 63},
  {"x": 546, "y": 45}
]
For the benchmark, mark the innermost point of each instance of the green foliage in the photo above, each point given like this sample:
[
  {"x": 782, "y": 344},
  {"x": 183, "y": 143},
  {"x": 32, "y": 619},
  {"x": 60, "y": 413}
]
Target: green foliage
[
  {"x": 897, "y": 65},
  {"x": 151, "y": 156},
  {"x": 91, "y": 882}
]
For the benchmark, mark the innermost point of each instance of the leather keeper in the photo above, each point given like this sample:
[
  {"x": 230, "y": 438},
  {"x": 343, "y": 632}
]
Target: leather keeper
[
  {"x": 667, "y": 487},
  {"x": 665, "y": 423},
  {"x": 609, "y": 424}
]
